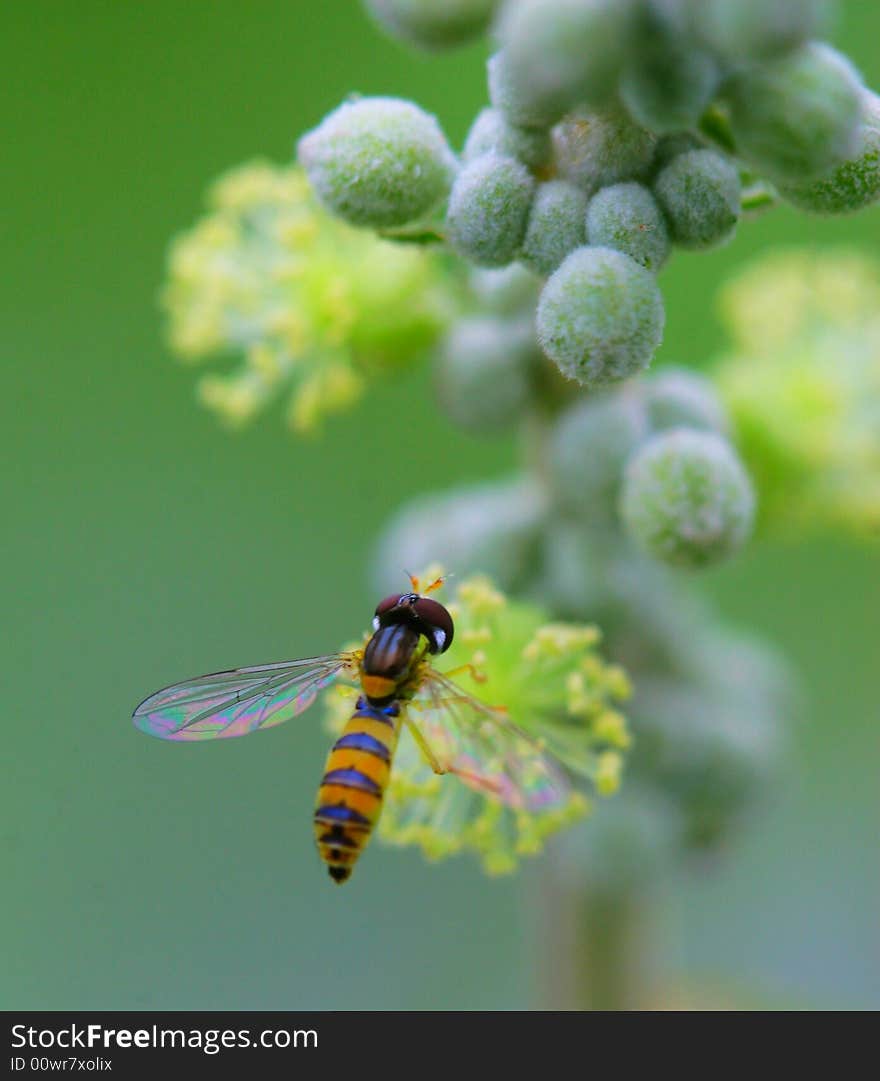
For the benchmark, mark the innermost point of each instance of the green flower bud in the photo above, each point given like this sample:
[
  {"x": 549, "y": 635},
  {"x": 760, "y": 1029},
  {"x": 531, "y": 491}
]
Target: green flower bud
[
  {"x": 491, "y": 528},
  {"x": 699, "y": 192},
  {"x": 378, "y": 162},
  {"x": 678, "y": 398},
  {"x": 595, "y": 149},
  {"x": 484, "y": 371},
  {"x": 796, "y": 117},
  {"x": 600, "y": 316},
  {"x": 493, "y": 131},
  {"x": 758, "y": 29},
  {"x": 687, "y": 499},
  {"x": 710, "y": 744},
  {"x": 561, "y": 53},
  {"x": 515, "y": 99},
  {"x": 488, "y": 209},
  {"x": 589, "y": 449},
  {"x": 555, "y": 226},
  {"x": 627, "y": 844},
  {"x": 855, "y": 183},
  {"x": 433, "y": 24},
  {"x": 626, "y": 217},
  {"x": 668, "y": 80},
  {"x": 670, "y": 146},
  {"x": 509, "y": 289}
]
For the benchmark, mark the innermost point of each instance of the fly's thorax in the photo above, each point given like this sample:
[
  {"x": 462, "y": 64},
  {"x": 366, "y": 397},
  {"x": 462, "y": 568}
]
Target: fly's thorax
[{"x": 390, "y": 657}]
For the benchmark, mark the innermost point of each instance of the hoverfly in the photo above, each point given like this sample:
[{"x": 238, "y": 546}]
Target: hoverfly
[{"x": 456, "y": 732}]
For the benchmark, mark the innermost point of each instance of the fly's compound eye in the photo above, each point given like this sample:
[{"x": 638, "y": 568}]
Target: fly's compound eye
[
  {"x": 384, "y": 607},
  {"x": 390, "y": 602},
  {"x": 437, "y": 623}
]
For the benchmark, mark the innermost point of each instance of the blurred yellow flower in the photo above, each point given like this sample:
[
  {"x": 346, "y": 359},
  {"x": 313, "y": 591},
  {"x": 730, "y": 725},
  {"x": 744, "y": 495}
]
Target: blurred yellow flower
[
  {"x": 555, "y": 689},
  {"x": 312, "y": 308},
  {"x": 803, "y": 386}
]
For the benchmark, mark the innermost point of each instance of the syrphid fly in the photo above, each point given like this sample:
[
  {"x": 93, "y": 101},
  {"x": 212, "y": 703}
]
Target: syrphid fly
[{"x": 399, "y": 685}]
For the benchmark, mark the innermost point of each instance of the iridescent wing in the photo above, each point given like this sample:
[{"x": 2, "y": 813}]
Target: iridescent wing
[
  {"x": 482, "y": 746},
  {"x": 242, "y": 700}
]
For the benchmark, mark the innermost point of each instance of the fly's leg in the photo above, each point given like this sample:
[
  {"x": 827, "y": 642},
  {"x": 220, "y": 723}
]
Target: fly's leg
[
  {"x": 476, "y": 675},
  {"x": 425, "y": 747}
]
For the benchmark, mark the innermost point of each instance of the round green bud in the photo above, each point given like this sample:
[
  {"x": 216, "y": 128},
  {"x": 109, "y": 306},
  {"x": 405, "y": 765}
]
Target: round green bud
[
  {"x": 506, "y": 290},
  {"x": 626, "y": 217},
  {"x": 668, "y": 80},
  {"x": 699, "y": 192},
  {"x": 855, "y": 183},
  {"x": 630, "y": 842},
  {"x": 596, "y": 149},
  {"x": 493, "y": 131},
  {"x": 484, "y": 371},
  {"x": 757, "y": 29},
  {"x": 670, "y": 146},
  {"x": 678, "y": 398},
  {"x": 515, "y": 100},
  {"x": 433, "y": 24},
  {"x": 555, "y": 226},
  {"x": 797, "y": 117},
  {"x": 588, "y": 451},
  {"x": 488, "y": 209},
  {"x": 600, "y": 316},
  {"x": 562, "y": 53},
  {"x": 573, "y": 569},
  {"x": 687, "y": 499},
  {"x": 379, "y": 162},
  {"x": 711, "y": 747},
  {"x": 490, "y": 528}
]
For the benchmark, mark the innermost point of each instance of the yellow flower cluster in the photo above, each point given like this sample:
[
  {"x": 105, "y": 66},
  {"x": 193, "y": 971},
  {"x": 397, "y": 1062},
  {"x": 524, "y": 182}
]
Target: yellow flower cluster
[
  {"x": 803, "y": 385},
  {"x": 556, "y": 698},
  {"x": 311, "y": 308}
]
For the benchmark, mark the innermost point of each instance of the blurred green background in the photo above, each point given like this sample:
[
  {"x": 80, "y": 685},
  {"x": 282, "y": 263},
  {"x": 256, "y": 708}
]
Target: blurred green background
[{"x": 141, "y": 544}]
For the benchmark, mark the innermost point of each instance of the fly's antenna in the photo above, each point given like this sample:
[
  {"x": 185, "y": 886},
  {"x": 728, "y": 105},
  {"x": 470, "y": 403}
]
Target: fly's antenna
[
  {"x": 415, "y": 582},
  {"x": 437, "y": 583}
]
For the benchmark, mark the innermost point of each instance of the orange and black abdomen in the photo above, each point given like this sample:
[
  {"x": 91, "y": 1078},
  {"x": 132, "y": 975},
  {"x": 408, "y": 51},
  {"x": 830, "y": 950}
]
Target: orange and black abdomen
[{"x": 350, "y": 796}]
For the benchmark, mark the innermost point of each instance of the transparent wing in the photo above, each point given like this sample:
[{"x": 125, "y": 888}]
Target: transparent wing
[
  {"x": 482, "y": 746},
  {"x": 242, "y": 700}
]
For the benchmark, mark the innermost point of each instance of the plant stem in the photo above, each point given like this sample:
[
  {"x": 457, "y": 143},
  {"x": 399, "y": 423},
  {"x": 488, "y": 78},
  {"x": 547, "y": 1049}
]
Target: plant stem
[{"x": 592, "y": 947}]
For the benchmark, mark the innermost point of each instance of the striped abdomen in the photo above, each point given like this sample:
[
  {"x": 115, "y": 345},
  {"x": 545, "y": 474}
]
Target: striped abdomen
[{"x": 350, "y": 796}]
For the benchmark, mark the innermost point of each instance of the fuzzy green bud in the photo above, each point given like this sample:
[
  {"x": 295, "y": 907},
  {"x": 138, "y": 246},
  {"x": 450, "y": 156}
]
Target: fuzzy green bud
[
  {"x": 555, "y": 226},
  {"x": 668, "y": 80},
  {"x": 561, "y": 53},
  {"x": 595, "y": 149},
  {"x": 378, "y": 162},
  {"x": 506, "y": 290},
  {"x": 678, "y": 398},
  {"x": 514, "y": 98},
  {"x": 626, "y": 217},
  {"x": 493, "y": 131},
  {"x": 492, "y": 528},
  {"x": 699, "y": 192},
  {"x": 433, "y": 24},
  {"x": 589, "y": 449},
  {"x": 488, "y": 209},
  {"x": 757, "y": 29},
  {"x": 670, "y": 146},
  {"x": 627, "y": 845},
  {"x": 687, "y": 499},
  {"x": 484, "y": 371},
  {"x": 855, "y": 183},
  {"x": 600, "y": 316},
  {"x": 797, "y": 117}
]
